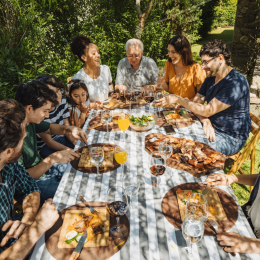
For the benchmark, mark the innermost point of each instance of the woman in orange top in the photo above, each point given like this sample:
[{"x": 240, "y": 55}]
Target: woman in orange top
[{"x": 184, "y": 76}]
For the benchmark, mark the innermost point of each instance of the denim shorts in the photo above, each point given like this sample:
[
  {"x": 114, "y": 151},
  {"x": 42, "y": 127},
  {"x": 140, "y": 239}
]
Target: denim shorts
[
  {"x": 45, "y": 151},
  {"x": 50, "y": 181},
  {"x": 226, "y": 144}
]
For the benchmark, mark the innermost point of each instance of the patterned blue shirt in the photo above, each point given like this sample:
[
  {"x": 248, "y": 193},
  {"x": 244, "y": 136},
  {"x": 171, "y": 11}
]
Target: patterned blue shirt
[{"x": 17, "y": 183}]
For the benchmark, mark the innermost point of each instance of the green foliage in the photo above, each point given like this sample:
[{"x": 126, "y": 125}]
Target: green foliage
[{"x": 35, "y": 35}]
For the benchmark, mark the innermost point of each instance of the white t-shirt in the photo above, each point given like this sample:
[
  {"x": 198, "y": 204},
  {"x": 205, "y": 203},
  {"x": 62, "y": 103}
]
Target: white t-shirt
[
  {"x": 77, "y": 110},
  {"x": 98, "y": 89}
]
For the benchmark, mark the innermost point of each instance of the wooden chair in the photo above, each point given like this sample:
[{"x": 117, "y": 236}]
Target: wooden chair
[{"x": 239, "y": 158}]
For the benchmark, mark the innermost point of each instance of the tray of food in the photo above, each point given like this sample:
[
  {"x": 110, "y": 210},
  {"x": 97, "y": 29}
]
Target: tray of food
[
  {"x": 194, "y": 157},
  {"x": 180, "y": 115}
]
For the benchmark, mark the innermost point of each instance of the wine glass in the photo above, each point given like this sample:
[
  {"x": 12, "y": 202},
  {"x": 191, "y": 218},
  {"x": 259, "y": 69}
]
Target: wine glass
[
  {"x": 131, "y": 186},
  {"x": 159, "y": 96},
  {"x": 192, "y": 231},
  {"x": 120, "y": 155},
  {"x": 96, "y": 156},
  {"x": 165, "y": 151},
  {"x": 116, "y": 206},
  {"x": 157, "y": 168},
  {"x": 123, "y": 123},
  {"x": 148, "y": 92},
  {"x": 106, "y": 118},
  {"x": 197, "y": 204}
]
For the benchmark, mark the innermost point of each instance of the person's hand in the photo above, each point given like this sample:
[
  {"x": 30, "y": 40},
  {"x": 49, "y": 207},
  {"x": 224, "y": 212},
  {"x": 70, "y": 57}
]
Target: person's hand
[
  {"x": 78, "y": 133},
  {"x": 16, "y": 230},
  {"x": 209, "y": 129},
  {"x": 236, "y": 243},
  {"x": 84, "y": 109},
  {"x": 47, "y": 216},
  {"x": 63, "y": 156},
  {"x": 167, "y": 101},
  {"x": 220, "y": 179},
  {"x": 160, "y": 82},
  {"x": 97, "y": 105},
  {"x": 122, "y": 89}
]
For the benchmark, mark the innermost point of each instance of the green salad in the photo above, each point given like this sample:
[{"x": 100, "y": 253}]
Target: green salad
[
  {"x": 142, "y": 120},
  {"x": 182, "y": 112}
]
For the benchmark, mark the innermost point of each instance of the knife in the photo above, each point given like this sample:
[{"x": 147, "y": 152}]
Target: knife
[{"x": 76, "y": 253}]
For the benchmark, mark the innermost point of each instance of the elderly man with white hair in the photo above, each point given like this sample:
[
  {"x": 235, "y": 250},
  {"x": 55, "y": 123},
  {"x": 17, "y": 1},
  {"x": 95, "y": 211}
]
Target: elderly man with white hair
[{"x": 135, "y": 70}]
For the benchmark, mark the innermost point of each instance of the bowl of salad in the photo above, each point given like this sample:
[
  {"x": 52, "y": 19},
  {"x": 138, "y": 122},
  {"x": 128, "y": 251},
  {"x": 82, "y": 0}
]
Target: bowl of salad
[{"x": 142, "y": 121}]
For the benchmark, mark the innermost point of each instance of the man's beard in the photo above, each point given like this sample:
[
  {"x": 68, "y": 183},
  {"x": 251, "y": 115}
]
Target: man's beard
[{"x": 15, "y": 157}]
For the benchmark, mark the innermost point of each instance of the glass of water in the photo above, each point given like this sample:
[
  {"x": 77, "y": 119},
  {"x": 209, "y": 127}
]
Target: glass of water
[
  {"x": 159, "y": 96},
  {"x": 192, "y": 231},
  {"x": 96, "y": 156},
  {"x": 106, "y": 118},
  {"x": 165, "y": 151},
  {"x": 131, "y": 186}
]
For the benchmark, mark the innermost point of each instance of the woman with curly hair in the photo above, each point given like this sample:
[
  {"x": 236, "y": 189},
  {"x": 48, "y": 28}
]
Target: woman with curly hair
[
  {"x": 184, "y": 76},
  {"x": 96, "y": 77}
]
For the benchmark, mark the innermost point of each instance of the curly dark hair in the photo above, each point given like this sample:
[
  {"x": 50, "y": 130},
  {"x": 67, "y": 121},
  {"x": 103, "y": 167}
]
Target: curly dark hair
[
  {"x": 79, "y": 44},
  {"x": 72, "y": 85},
  {"x": 216, "y": 47},
  {"x": 182, "y": 46},
  {"x": 51, "y": 80},
  {"x": 12, "y": 115},
  {"x": 35, "y": 93}
]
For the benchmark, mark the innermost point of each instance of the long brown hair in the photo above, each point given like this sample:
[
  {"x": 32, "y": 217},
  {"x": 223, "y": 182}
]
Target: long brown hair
[{"x": 182, "y": 46}]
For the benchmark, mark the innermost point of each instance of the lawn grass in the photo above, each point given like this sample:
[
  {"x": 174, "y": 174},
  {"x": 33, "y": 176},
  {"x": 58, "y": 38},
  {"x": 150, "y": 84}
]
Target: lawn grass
[{"x": 242, "y": 192}]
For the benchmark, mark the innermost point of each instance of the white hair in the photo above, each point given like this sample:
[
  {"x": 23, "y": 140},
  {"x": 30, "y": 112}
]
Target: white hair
[{"x": 134, "y": 42}]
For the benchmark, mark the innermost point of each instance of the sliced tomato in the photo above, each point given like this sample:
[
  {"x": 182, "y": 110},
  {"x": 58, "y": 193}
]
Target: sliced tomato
[
  {"x": 188, "y": 194},
  {"x": 179, "y": 190},
  {"x": 178, "y": 116}
]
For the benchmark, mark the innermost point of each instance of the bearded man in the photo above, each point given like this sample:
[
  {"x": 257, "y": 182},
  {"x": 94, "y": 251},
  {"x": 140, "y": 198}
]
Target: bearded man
[{"x": 222, "y": 103}]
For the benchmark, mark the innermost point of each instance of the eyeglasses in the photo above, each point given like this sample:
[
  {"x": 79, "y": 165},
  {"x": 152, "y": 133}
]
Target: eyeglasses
[
  {"x": 131, "y": 56},
  {"x": 205, "y": 63},
  {"x": 59, "y": 91}
]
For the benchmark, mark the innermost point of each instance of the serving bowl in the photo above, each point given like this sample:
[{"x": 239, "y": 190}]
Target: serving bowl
[{"x": 140, "y": 128}]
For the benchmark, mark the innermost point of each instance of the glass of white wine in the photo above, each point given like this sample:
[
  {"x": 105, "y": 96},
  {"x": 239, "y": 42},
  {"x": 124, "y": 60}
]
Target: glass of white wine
[
  {"x": 96, "y": 156},
  {"x": 192, "y": 231},
  {"x": 106, "y": 118}
]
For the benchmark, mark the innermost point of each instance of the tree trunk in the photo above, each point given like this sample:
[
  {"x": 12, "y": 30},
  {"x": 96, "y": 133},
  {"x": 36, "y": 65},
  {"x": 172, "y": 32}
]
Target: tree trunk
[{"x": 142, "y": 17}]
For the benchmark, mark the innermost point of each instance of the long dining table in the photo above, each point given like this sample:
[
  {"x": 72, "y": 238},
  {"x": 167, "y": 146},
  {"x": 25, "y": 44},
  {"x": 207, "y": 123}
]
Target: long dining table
[{"x": 151, "y": 236}]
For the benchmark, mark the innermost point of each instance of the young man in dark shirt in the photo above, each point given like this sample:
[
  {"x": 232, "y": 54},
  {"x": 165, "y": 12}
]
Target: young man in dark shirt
[
  {"x": 38, "y": 100},
  {"x": 223, "y": 101},
  {"x": 15, "y": 182}
]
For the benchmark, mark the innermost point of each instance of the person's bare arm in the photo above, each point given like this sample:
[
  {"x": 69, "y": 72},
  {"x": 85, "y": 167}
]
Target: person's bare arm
[
  {"x": 163, "y": 83},
  {"x": 73, "y": 117},
  {"x": 200, "y": 99},
  {"x": 227, "y": 179},
  {"x": 122, "y": 89},
  {"x": 111, "y": 87},
  {"x": 71, "y": 138},
  {"x": 30, "y": 208},
  {"x": 52, "y": 144},
  {"x": 44, "y": 220},
  {"x": 215, "y": 106}
]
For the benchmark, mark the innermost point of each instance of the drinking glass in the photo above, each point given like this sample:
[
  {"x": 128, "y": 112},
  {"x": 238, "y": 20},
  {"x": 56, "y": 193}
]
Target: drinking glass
[
  {"x": 120, "y": 155},
  {"x": 157, "y": 168},
  {"x": 192, "y": 231},
  {"x": 131, "y": 186},
  {"x": 159, "y": 96},
  {"x": 123, "y": 123},
  {"x": 197, "y": 205},
  {"x": 116, "y": 206},
  {"x": 148, "y": 93},
  {"x": 165, "y": 151},
  {"x": 106, "y": 118},
  {"x": 96, "y": 156}
]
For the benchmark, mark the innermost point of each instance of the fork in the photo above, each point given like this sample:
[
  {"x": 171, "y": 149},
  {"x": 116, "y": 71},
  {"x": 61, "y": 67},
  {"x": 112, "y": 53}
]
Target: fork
[{"x": 93, "y": 211}]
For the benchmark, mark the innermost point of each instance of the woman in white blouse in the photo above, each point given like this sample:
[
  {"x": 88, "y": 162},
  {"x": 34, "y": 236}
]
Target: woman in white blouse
[{"x": 97, "y": 77}]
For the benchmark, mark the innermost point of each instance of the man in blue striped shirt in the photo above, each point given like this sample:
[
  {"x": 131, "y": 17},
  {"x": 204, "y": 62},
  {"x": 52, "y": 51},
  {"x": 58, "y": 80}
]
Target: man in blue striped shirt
[{"x": 48, "y": 144}]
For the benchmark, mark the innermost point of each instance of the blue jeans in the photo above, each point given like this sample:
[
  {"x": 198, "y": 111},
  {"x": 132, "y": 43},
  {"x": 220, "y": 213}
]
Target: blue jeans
[
  {"x": 45, "y": 151},
  {"x": 50, "y": 181},
  {"x": 226, "y": 144}
]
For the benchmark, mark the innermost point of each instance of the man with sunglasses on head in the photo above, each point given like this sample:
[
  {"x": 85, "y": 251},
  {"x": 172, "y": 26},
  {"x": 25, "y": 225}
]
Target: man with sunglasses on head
[
  {"x": 135, "y": 70},
  {"x": 48, "y": 144},
  {"x": 38, "y": 99},
  {"x": 222, "y": 103},
  {"x": 18, "y": 233}
]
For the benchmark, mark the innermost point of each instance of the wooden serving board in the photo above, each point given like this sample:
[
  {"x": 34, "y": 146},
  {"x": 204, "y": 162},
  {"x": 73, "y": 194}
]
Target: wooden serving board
[
  {"x": 183, "y": 118},
  {"x": 108, "y": 158},
  {"x": 213, "y": 202},
  {"x": 93, "y": 241},
  {"x": 122, "y": 103}
]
